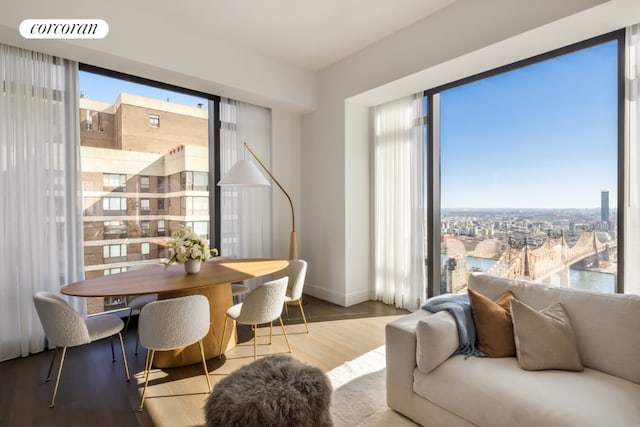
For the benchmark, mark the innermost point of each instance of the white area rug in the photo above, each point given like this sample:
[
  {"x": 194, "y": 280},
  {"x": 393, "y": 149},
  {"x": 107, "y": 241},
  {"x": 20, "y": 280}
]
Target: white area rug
[{"x": 359, "y": 397}]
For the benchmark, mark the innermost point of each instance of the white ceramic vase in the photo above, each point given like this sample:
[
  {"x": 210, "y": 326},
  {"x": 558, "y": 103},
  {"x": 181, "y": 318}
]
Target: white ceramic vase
[{"x": 192, "y": 266}]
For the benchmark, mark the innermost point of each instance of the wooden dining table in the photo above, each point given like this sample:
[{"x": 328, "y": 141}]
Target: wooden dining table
[{"x": 214, "y": 281}]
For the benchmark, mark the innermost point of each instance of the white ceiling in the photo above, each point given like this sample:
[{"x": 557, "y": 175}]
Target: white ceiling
[{"x": 310, "y": 34}]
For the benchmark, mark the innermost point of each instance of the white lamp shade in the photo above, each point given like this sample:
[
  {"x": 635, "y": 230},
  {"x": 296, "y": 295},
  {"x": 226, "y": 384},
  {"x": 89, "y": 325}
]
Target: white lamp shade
[{"x": 244, "y": 174}]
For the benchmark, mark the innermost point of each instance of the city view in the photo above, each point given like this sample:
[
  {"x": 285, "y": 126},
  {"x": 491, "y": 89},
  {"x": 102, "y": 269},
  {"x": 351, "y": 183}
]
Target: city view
[
  {"x": 498, "y": 241},
  {"x": 145, "y": 174},
  {"x": 529, "y": 173}
]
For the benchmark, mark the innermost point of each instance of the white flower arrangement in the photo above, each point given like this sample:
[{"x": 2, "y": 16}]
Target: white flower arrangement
[{"x": 187, "y": 245}]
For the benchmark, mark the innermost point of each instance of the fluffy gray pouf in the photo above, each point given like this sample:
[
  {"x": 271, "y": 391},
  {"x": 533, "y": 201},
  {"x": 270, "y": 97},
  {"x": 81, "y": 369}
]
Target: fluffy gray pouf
[{"x": 273, "y": 391}]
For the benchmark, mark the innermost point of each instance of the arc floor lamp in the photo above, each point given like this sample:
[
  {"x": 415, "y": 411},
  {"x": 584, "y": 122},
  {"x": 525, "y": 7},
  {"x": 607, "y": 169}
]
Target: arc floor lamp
[{"x": 245, "y": 174}]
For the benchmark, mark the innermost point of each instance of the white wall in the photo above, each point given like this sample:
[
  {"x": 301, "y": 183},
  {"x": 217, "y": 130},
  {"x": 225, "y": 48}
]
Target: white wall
[
  {"x": 358, "y": 205},
  {"x": 286, "y": 167},
  {"x": 462, "y": 40}
]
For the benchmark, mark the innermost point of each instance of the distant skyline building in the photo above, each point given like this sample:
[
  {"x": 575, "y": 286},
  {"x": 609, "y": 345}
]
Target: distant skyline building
[
  {"x": 456, "y": 274},
  {"x": 604, "y": 206}
]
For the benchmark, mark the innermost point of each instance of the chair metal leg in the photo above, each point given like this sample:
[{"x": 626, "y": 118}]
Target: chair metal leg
[
  {"x": 53, "y": 358},
  {"x": 146, "y": 361},
  {"x": 204, "y": 364},
  {"x": 285, "y": 334},
  {"x": 147, "y": 368},
  {"x": 126, "y": 326},
  {"x": 137, "y": 341},
  {"x": 124, "y": 357},
  {"x": 55, "y": 389},
  {"x": 255, "y": 342},
  {"x": 286, "y": 309},
  {"x": 113, "y": 354},
  {"x": 224, "y": 328},
  {"x": 303, "y": 316},
  {"x": 270, "y": 332}
]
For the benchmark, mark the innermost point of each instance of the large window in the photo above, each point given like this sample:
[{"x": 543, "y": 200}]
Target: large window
[
  {"x": 133, "y": 168},
  {"x": 527, "y": 179}
]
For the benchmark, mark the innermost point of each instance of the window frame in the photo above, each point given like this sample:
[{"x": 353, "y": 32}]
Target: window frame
[
  {"x": 107, "y": 201},
  {"x": 215, "y": 173},
  {"x": 120, "y": 177},
  {"x": 145, "y": 183},
  {"x": 154, "y": 120},
  {"x": 432, "y": 120}
]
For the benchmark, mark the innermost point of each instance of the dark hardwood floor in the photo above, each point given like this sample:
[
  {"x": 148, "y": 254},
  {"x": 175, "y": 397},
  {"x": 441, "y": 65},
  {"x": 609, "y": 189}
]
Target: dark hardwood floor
[{"x": 93, "y": 391}]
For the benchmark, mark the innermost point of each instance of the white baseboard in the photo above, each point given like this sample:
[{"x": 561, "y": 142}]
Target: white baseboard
[{"x": 336, "y": 297}]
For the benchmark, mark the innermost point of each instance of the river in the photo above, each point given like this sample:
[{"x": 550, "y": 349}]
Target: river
[{"x": 580, "y": 279}]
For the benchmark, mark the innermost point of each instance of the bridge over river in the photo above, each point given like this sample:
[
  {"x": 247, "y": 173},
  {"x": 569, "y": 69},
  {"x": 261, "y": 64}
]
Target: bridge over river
[{"x": 554, "y": 257}]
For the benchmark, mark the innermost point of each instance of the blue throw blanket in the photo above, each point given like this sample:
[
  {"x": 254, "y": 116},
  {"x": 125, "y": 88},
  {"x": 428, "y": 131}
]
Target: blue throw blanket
[{"x": 460, "y": 308}]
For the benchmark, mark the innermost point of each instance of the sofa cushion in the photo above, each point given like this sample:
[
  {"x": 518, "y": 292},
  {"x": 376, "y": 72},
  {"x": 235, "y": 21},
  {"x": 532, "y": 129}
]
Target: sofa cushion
[
  {"x": 544, "y": 339},
  {"x": 605, "y": 325},
  {"x": 437, "y": 339},
  {"x": 497, "y": 393},
  {"x": 494, "y": 328}
]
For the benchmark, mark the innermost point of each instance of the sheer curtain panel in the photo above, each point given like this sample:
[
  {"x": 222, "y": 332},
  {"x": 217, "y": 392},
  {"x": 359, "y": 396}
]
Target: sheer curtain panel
[
  {"x": 41, "y": 212},
  {"x": 632, "y": 168},
  {"x": 246, "y": 212},
  {"x": 399, "y": 203}
]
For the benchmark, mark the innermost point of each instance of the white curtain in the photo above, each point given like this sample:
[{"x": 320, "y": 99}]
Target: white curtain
[
  {"x": 399, "y": 203},
  {"x": 246, "y": 226},
  {"x": 41, "y": 212},
  {"x": 632, "y": 168}
]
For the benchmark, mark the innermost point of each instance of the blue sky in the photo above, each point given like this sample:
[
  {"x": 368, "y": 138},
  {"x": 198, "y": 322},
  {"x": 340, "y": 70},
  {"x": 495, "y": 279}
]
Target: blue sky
[
  {"x": 107, "y": 89},
  {"x": 543, "y": 136}
]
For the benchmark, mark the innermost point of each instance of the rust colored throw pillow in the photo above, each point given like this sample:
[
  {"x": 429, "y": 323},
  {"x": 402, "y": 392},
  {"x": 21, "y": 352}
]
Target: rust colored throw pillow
[{"x": 494, "y": 328}]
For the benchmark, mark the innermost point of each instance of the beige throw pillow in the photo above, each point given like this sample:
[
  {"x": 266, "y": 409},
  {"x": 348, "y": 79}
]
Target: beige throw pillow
[
  {"x": 437, "y": 339},
  {"x": 544, "y": 339},
  {"x": 494, "y": 328}
]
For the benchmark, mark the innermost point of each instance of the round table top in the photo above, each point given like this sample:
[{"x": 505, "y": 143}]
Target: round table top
[{"x": 174, "y": 278}]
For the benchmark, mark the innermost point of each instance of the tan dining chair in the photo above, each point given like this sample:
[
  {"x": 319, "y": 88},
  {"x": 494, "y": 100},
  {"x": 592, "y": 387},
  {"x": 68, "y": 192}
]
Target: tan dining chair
[
  {"x": 171, "y": 324},
  {"x": 238, "y": 288},
  {"x": 262, "y": 305},
  {"x": 296, "y": 271},
  {"x": 136, "y": 302},
  {"x": 65, "y": 327}
]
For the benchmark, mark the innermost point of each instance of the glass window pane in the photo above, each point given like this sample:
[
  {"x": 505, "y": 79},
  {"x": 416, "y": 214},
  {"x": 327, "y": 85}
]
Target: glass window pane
[
  {"x": 201, "y": 227},
  {"x": 115, "y": 250},
  {"x": 529, "y": 173},
  {"x": 129, "y": 151}
]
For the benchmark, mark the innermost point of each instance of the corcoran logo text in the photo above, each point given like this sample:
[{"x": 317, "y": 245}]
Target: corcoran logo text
[{"x": 64, "y": 29}]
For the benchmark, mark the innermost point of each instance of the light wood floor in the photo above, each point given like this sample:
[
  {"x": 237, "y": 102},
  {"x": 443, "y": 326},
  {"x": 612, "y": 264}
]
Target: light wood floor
[{"x": 93, "y": 390}]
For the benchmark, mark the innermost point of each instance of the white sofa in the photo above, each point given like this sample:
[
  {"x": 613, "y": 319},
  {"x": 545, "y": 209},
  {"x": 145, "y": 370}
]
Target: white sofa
[{"x": 496, "y": 392}]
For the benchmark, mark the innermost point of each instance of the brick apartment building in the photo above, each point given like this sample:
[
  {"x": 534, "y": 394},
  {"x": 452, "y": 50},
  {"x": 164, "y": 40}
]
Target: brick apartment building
[{"x": 144, "y": 174}]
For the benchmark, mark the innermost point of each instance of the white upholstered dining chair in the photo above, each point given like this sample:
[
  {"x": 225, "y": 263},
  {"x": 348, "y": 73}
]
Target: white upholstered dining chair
[
  {"x": 65, "y": 327},
  {"x": 262, "y": 305},
  {"x": 170, "y": 324},
  {"x": 296, "y": 271}
]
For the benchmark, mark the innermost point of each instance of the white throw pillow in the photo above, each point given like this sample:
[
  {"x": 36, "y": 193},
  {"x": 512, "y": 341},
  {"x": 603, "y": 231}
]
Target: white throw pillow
[{"x": 437, "y": 337}]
